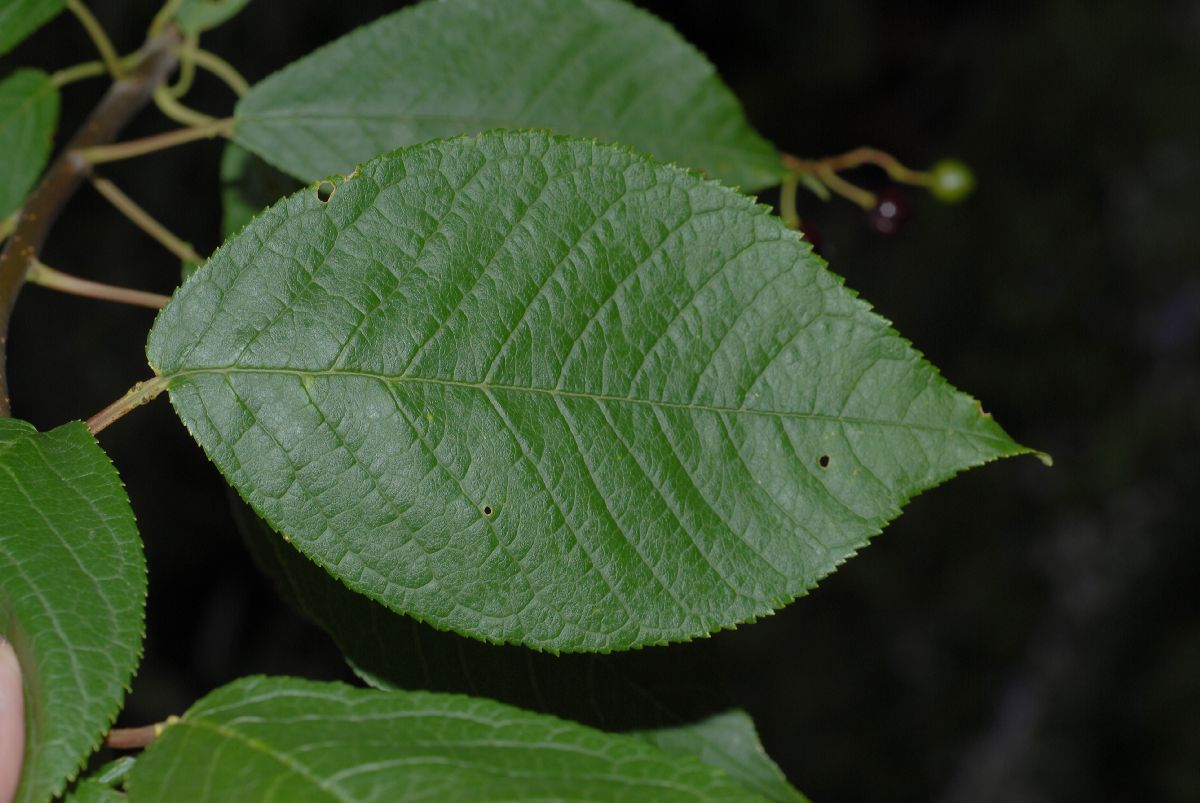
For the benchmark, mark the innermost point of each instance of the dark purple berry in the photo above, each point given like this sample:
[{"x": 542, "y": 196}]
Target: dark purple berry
[{"x": 891, "y": 211}]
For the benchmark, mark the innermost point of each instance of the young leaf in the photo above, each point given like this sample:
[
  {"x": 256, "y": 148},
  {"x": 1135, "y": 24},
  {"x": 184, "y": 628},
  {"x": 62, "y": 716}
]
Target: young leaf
[
  {"x": 541, "y": 390},
  {"x": 28, "y": 116},
  {"x": 592, "y": 68},
  {"x": 293, "y": 739},
  {"x": 72, "y": 593},
  {"x": 19, "y": 18},
  {"x": 730, "y": 742},
  {"x": 198, "y": 16}
]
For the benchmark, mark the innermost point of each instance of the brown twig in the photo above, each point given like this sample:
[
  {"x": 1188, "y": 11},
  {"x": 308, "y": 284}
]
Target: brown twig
[
  {"x": 139, "y": 394},
  {"x": 124, "y": 99},
  {"x": 137, "y": 738},
  {"x": 156, "y": 142}
]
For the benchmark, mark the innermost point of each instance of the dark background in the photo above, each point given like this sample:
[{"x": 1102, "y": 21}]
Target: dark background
[{"x": 1019, "y": 634}]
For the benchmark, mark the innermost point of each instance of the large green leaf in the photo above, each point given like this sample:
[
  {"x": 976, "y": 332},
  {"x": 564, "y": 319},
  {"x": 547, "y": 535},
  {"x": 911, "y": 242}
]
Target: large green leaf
[
  {"x": 730, "y": 742},
  {"x": 19, "y": 18},
  {"x": 289, "y": 739},
  {"x": 72, "y": 593},
  {"x": 593, "y": 68},
  {"x": 28, "y": 116},
  {"x": 545, "y": 391}
]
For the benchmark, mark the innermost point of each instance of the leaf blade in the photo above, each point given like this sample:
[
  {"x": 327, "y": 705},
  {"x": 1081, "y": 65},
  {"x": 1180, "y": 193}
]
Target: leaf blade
[
  {"x": 28, "y": 116},
  {"x": 598, "y": 68},
  {"x": 68, "y": 533},
  {"x": 306, "y": 741},
  {"x": 572, "y": 398},
  {"x": 197, "y": 16},
  {"x": 20, "y": 18},
  {"x": 730, "y": 742}
]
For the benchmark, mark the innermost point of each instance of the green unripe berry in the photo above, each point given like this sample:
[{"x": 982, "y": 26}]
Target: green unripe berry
[{"x": 951, "y": 181}]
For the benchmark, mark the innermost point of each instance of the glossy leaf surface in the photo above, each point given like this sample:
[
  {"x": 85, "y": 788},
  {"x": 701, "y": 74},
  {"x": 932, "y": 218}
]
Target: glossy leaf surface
[
  {"x": 730, "y": 742},
  {"x": 593, "y": 68},
  {"x": 290, "y": 739},
  {"x": 28, "y": 116},
  {"x": 72, "y": 592},
  {"x": 20, "y": 18},
  {"x": 545, "y": 391}
]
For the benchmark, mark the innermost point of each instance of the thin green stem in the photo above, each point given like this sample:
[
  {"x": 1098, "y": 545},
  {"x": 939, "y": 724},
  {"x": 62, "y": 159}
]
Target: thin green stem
[
  {"x": 157, "y": 142},
  {"x": 88, "y": 69},
  {"x": 47, "y": 276},
  {"x": 826, "y": 171},
  {"x": 164, "y": 17},
  {"x": 144, "y": 221},
  {"x": 168, "y": 105},
  {"x": 844, "y": 188},
  {"x": 69, "y": 75},
  {"x": 139, "y": 394},
  {"x": 104, "y": 46},
  {"x": 222, "y": 69},
  {"x": 787, "y": 200},
  {"x": 187, "y": 66}
]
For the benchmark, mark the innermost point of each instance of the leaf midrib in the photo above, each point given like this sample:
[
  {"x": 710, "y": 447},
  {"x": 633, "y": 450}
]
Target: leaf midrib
[{"x": 487, "y": 387}]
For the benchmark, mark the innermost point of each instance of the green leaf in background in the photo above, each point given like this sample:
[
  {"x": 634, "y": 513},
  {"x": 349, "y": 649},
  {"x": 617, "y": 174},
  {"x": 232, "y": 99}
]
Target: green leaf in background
[
  {"x": 90, "y": 790},
  {"x": 248, "y": 186},
  {"x": 592, "y": 68},
  {"x": 545, "y": 391},
  {"x": 187, "y": 267},
  {"x": 197, "y": 16},
  {"x": 72, "y": 594},
  {"x": 290, "y": 739},
  {"x": 100, "y": 786},
  {"x": 28, "y": 116},
  {"x": 20, "y": 18},
  {"x": 730, "y": 742}
]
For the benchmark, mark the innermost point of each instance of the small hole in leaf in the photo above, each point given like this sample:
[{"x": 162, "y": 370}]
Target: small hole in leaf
[
  {"x": 823, "y": 461},
  {"x": 487, "y": 511},
  {"x": 325, "y": 191}
]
